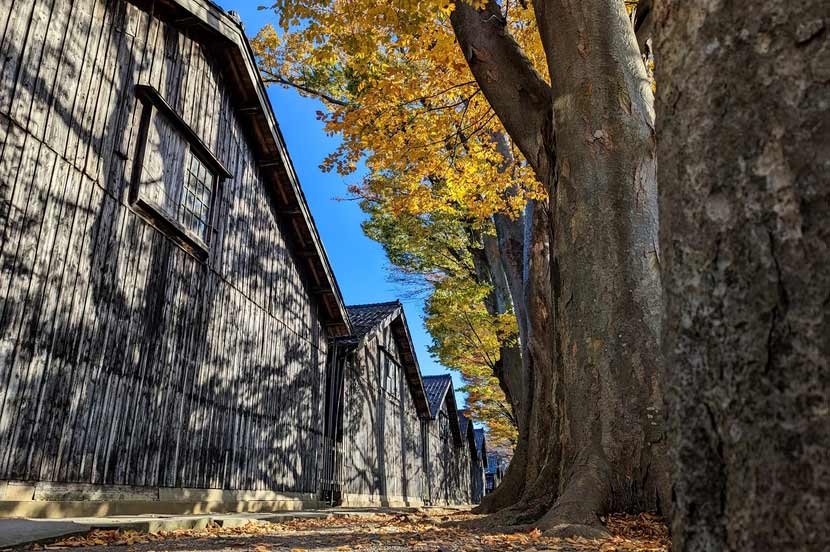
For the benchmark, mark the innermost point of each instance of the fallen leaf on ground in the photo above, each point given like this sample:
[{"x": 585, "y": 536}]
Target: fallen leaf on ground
[{"x": 420, "y": 531}]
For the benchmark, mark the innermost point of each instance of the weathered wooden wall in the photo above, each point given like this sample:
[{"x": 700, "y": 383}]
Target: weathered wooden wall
[
  {"x": 123, "y": 360},
  {"x": 476, "y": 480},
  {"x": 448, "y": 475},
  {"x": 463, "y": 475},
  {"x": 381, "y": 431}
]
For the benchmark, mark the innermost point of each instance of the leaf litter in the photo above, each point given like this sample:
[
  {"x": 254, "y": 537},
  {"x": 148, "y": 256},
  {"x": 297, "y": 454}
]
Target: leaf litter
[{"x": 422, "y": 531}]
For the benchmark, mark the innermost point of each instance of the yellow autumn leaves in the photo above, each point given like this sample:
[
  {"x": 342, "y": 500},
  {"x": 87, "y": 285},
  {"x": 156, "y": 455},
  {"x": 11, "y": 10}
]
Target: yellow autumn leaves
[
  {"x": 400, "y": 96},
  {"x": 406, "y": 101}
]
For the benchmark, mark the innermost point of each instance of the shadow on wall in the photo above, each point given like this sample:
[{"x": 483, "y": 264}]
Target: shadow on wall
[
  {"x": 366, "y": 442},
  {"x": 124, "y": 360},
  {"x": 381, "y": 450}
]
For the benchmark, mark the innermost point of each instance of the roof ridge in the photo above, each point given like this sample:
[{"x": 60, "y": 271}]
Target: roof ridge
[{"x": 382, "y": 303}]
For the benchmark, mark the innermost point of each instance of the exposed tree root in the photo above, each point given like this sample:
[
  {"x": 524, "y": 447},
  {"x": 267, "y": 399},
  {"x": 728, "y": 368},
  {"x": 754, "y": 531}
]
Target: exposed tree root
[
  {"x": 573, "y": 513},
  {"x": 510, "y": 491},
  {"x": 585, "y": 497},
  {"x": 571, "y": 530}
]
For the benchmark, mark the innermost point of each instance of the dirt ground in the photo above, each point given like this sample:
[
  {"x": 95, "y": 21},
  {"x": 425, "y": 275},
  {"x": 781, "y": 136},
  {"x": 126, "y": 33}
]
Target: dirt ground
[{"x": 418, "y": 532}]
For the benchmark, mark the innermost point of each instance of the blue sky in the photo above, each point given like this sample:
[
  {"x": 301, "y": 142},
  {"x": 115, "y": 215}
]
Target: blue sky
[{"x": 358, "y": 262}]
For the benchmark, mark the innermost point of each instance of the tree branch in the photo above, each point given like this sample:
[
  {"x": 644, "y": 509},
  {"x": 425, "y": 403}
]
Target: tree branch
[
  {"x": 517, "y": 92},
  {"x": 439, "y": 93},
  {"x": 275, "y": 78},
  {"x": 507, "y": 414}
]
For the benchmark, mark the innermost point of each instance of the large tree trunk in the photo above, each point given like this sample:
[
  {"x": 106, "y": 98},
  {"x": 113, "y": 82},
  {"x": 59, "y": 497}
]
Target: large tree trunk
[
  {"x": 745, "y": 195},
  {"x": 530, "y": 291},
  {"x": 605, "y": 268},
  {"x": 592, "y": 283}
]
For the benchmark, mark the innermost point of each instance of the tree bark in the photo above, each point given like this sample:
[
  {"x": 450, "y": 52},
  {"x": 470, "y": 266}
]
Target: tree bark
[
  {"x": 511, "y": 254},
  {"x": 496, "y": 264},
  {"x": 744, "y": 153},
  {"x": 643, "y": 20},
  {"x": 592, "y": 287}
]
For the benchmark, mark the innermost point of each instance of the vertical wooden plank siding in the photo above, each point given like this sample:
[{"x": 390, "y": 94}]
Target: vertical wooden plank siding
[
  {"x": 123, "y": 359},
  {"x": 381, "y": 430},
  {"x": 386, "y": 458}
]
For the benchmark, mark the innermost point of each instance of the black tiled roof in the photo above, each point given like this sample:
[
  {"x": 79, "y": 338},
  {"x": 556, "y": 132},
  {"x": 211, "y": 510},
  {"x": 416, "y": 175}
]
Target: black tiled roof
[
  {"x": 436, "y": 389},
  {"x": 366, "y": 317},
  {"x": 463, "y": 421}
]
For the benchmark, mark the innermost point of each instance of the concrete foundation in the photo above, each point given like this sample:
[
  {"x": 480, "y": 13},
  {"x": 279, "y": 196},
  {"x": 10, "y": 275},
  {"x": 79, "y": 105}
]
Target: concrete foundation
[{"x": 62, "y": 500}]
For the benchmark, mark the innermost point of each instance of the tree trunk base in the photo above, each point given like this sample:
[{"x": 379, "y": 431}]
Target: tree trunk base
[
  {"x": 585, "y": 497},
  {"x": 511, "y": 488},
  {"x": 523, "y": 513},
  {"x": 503, "y": 497},
  {"x": 576, "y": 510}
]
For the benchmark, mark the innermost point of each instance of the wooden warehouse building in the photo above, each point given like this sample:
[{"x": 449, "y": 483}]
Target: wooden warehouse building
[
  {"x": 166, "y": 301},
  {"x": 474, "y": 442},
  {"x": 479, "y": 467},
  {"x": 391, "y": 426},
  {"x": 168, "y": 316},
  {"x": 447, "y": 452}
]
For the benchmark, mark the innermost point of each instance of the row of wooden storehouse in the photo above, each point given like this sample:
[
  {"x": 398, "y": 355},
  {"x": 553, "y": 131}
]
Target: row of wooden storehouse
[{"x": 172, "y": 338}]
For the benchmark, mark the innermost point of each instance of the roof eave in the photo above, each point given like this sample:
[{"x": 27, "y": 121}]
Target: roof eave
[
  {"x": 418, "y": 384},
  {"x": 455, "y": 427},
  {"x": 452, "y": 409}
]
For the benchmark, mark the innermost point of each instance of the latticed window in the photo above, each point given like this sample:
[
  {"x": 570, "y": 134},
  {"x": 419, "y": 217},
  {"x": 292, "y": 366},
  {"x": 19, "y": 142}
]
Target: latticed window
[{"x": 194, "y": 206}]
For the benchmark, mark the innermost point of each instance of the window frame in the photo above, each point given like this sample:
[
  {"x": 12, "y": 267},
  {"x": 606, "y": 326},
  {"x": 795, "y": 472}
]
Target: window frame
[
  {"x": 154, "y": 105},
  {"x": 197, "y": 210}
]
